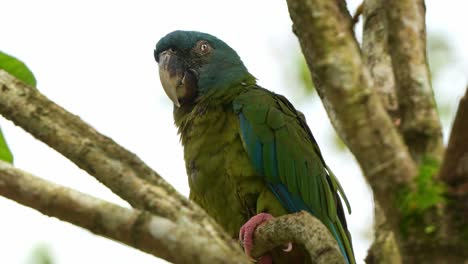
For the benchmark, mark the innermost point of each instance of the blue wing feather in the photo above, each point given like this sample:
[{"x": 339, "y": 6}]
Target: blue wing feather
[{"x": 261, "y": 126}]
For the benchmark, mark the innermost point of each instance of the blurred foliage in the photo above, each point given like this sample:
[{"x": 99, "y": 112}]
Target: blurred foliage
[
  {"x": 305, "y": 79},
  {"x": 440, "y": 53},
  {"x": 18, "y": 69},
  {"x": 339, "y": 144},
  {"x": 426, "y": 194},
  {"x": 440, "y": 56},
  {"x": 41, "y": 254}
]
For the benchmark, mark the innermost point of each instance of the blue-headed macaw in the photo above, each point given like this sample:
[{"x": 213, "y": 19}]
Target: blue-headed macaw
[{"x": 249, "y": 153}]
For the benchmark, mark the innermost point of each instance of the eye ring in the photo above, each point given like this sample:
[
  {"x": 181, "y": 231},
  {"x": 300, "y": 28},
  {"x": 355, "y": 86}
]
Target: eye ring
[{"x": 203, "y": 47}]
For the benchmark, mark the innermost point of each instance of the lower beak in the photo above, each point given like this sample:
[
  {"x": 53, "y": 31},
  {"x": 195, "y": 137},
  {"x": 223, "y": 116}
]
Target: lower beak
[{"x": 171, "y": 74}]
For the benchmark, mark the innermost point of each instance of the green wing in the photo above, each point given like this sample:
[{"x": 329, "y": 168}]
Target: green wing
[{"x": 282, "y": 148}]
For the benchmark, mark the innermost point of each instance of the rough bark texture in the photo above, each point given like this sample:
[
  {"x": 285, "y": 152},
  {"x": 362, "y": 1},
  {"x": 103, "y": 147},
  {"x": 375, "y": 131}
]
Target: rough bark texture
[
  {"x": 345, "y": 87},
  {"x": 163, "y": 219},
  {"x": 375, "y": 52},
  {"x": 155, "y": 235},
  {"x": 123, "y": 172},
  {"x": 420, "y": 124},
  {"x": 385, "y": 249},
  {"x": 300, "y": 228},
  {"x": 355, "y": 86}
]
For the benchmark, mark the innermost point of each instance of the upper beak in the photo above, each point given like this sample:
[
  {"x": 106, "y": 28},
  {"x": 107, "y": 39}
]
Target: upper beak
[{"x": 172, "y": 73}]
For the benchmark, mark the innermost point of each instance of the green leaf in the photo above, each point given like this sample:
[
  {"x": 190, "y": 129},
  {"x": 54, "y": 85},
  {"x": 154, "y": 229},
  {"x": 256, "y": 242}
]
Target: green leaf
[
  {"x": 17, "y": 68},
  {"x": 5, "y": 153}
]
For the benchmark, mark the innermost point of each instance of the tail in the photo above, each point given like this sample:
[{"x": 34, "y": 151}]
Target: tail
[
  {"x": 342, "y": 235},
  {"x": 344, "y": 242}
]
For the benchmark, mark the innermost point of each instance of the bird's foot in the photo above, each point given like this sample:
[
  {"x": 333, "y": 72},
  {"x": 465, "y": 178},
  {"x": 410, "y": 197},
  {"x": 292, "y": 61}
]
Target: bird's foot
[
  {"x": 247, "y": 230},
  {"x": 246, "y": 236}
]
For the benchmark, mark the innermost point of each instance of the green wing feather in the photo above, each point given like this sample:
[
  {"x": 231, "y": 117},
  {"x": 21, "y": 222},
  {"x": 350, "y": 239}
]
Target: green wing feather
[{"x": 282, "y": 149}]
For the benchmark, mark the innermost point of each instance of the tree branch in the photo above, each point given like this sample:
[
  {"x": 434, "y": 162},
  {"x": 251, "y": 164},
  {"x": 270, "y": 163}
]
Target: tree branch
[
  {"x": 155, "y": 235},
  {"x": 123, "y": 172},
  {"x": 420, "y": 124},
  {"x": 454, "y": 170},
  {"x": 376, "y": 55},
  {"x": 344, "y": 84},
  {"x": 165, "y": 219},
  {"x": 300, "y": 228},
  {"x": 384, "y": 248}
]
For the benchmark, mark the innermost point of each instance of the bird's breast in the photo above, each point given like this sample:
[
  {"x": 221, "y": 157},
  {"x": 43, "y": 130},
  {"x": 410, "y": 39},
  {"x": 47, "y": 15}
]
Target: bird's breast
[{"x": 218, "y": 168}]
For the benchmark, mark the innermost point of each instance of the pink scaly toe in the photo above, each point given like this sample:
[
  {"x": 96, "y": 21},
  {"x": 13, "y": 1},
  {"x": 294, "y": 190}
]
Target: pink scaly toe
[{"x": 246, "y": 235}]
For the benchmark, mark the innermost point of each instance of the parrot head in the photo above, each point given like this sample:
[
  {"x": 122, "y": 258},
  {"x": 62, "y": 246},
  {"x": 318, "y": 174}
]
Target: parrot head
[{"x": 191, "y": 64}]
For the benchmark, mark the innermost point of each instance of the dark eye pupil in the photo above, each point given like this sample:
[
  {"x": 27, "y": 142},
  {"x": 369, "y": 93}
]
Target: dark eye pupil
[{"x": 203, "y": 47}]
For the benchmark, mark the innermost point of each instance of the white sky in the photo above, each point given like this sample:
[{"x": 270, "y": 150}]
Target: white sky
[{"x": 95, "y": 58}]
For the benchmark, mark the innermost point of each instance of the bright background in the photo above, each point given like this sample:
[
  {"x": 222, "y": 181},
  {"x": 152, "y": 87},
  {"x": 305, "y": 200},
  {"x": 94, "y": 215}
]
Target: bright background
[{"x": 95, "y": 58}]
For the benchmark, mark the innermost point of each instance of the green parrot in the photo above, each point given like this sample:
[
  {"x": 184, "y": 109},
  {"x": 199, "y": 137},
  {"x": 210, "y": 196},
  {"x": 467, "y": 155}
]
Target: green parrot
[{"x": 249, "y": 153}]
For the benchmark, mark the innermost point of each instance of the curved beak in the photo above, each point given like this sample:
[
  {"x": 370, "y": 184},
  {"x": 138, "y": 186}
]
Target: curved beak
[{"x": 171, "y": 74}]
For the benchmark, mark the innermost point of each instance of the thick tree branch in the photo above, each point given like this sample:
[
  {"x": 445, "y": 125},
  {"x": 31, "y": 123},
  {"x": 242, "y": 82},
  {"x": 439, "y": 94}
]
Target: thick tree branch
[
  {"x": 300, "y": 228},
  {"x": 376, "y": 55},
  {"x": 384, "y": 248},
  {"x": 454, "y": 170},
  {"x": 354, "y": 108},
  {"x": 165, "y": 220},
  {"x": 155, "y": 235},
  {"x": 123, "y": 172},
  {"x": 420, "y": 123}
]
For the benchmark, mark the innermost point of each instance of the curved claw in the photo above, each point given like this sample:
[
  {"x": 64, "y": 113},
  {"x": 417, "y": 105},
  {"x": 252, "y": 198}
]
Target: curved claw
[{"x": 288, "y": 247}]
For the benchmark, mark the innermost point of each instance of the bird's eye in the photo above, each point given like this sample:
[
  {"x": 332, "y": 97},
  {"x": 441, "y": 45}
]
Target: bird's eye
[{"x": 203, "y": 47}]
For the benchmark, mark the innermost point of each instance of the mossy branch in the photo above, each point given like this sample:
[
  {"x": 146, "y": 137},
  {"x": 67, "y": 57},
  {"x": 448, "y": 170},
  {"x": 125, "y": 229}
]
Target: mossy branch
[{"x": 345, "y": 87}]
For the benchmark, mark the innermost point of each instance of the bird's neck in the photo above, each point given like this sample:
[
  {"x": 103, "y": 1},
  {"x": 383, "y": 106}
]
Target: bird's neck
[{"x": 217, "y": 99}]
